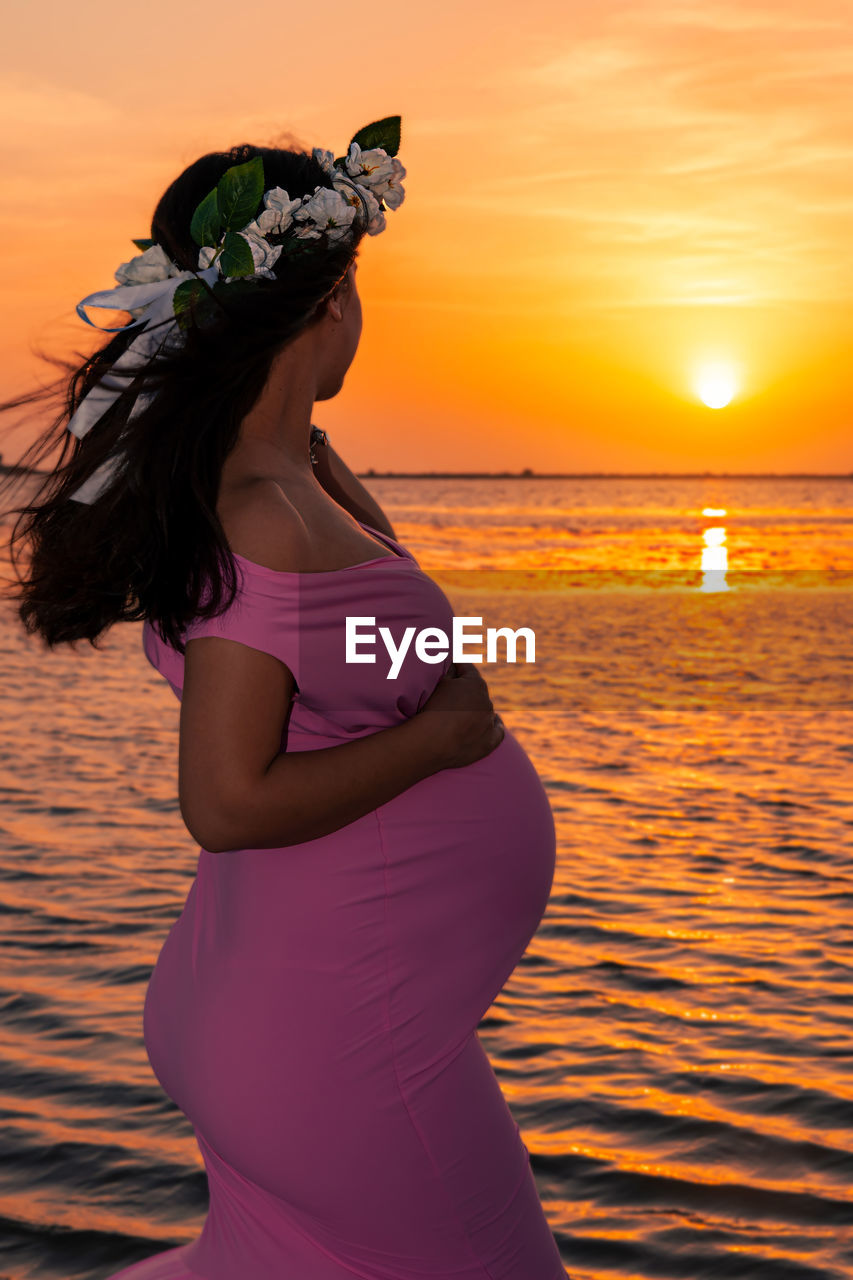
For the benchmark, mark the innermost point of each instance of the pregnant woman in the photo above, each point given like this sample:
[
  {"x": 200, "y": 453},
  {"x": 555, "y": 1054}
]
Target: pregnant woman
[{"x": 375, "y": 854}]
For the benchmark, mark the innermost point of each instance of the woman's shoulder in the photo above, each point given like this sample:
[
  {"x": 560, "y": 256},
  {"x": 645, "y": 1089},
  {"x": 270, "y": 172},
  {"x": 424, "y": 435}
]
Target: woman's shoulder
[{"x": 262, "y": 525}]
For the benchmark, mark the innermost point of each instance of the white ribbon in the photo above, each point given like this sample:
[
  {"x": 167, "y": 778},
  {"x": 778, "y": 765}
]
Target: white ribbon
[{"x": 156, "y": 300}]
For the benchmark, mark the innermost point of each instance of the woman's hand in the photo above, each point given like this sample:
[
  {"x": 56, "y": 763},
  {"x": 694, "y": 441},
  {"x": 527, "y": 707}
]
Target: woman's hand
[{"x": 464, "y": 726}]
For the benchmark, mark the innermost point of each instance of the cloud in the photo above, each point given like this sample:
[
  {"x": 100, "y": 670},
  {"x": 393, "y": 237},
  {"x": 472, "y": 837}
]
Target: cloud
[{"x": 713, "y": 138}]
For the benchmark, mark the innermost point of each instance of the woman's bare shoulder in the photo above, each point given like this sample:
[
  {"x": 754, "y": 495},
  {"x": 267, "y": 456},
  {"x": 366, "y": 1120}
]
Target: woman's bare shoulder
[{"x": 263, "y": 526}]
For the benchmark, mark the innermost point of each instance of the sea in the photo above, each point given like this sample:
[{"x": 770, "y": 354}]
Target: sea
[{"x": 676, "y": 1044}]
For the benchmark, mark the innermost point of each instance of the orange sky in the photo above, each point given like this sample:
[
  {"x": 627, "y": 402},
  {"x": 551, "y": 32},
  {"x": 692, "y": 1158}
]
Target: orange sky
[{"x": 599, "y": 198}]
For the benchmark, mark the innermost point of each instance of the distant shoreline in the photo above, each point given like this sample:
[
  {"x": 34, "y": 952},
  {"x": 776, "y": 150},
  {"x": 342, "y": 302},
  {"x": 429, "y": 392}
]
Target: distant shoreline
[
  {"x": 527, "y": 474},
  {"x": 370, "y": 474}
]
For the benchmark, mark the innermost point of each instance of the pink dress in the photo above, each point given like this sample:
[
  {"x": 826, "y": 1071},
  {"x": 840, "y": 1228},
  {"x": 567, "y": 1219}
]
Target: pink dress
[{"x": 314, "y": 1008}]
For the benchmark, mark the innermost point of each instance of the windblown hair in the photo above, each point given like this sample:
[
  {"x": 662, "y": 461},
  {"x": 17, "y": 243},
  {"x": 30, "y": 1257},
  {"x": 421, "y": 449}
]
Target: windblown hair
[{"x": 149, "y": 544}]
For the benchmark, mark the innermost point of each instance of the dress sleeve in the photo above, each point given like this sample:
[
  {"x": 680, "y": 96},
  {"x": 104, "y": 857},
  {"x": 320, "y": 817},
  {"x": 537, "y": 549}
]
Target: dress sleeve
[{"x": 263, "y": 615}]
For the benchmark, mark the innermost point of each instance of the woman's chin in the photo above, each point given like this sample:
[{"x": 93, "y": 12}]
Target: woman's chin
[{"x": 330, "y": 389}]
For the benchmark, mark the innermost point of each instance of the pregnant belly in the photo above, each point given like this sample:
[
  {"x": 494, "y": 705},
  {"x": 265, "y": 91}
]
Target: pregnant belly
[
  {"x": 470, "y": 857},
  {"x": 405, "y": 923}
]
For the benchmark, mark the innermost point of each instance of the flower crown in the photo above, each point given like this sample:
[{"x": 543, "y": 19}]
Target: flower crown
[
  {"x": 243, "y": 247},
  {"x": 236, "y": 249}
]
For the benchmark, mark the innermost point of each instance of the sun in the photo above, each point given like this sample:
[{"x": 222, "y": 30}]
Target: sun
[{"x": 716, "y": 384}]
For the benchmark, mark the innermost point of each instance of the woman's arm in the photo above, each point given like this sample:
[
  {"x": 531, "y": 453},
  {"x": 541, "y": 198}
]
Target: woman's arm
[
  {"x": 307, "y": 794},
  {"x": 347, "y": 490},
  {"x": 239, "y": 790}
]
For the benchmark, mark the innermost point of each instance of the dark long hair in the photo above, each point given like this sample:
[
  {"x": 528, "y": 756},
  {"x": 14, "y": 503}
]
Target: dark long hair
[{"x": 149, "y": 544}]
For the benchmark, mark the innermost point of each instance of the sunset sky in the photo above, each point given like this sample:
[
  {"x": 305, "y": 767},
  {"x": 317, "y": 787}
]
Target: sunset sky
[{"x": 602, "y": 201}]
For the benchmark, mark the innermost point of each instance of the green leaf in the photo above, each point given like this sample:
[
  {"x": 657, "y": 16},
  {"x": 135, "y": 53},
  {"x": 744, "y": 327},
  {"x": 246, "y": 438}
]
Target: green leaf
[
  {"x": 383, "y": 133},
  {"x": 207, "y": 311},
  {"x": 193, "y": 304},
  {"x": 144, "y": 244},
  {"x": 236, "y": 259},
  {"x": 184, "y": 299},
  {"x": 239, "y": 192},
  {"x": 206, "y": 222}
]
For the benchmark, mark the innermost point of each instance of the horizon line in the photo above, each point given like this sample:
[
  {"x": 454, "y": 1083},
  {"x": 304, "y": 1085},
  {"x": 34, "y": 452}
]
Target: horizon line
[{"x": 527, "y": 473}]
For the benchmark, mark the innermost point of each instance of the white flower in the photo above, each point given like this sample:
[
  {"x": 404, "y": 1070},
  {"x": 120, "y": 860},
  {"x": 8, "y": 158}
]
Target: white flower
[
  {"x": 326, "y": 210},
  {"x": 325, "y": 158},
  {"x": 145, "y": 268},
  {"x": 375, "y": 216},
  {"x": 264, "y": 254},
  {"x": 380, "y": 175},
  {"x": 390, "y": 189},
  {"x": 278, "y": 211},
  {"x": 371, "y": 168},
  {"x": 376, "y": 223}
]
